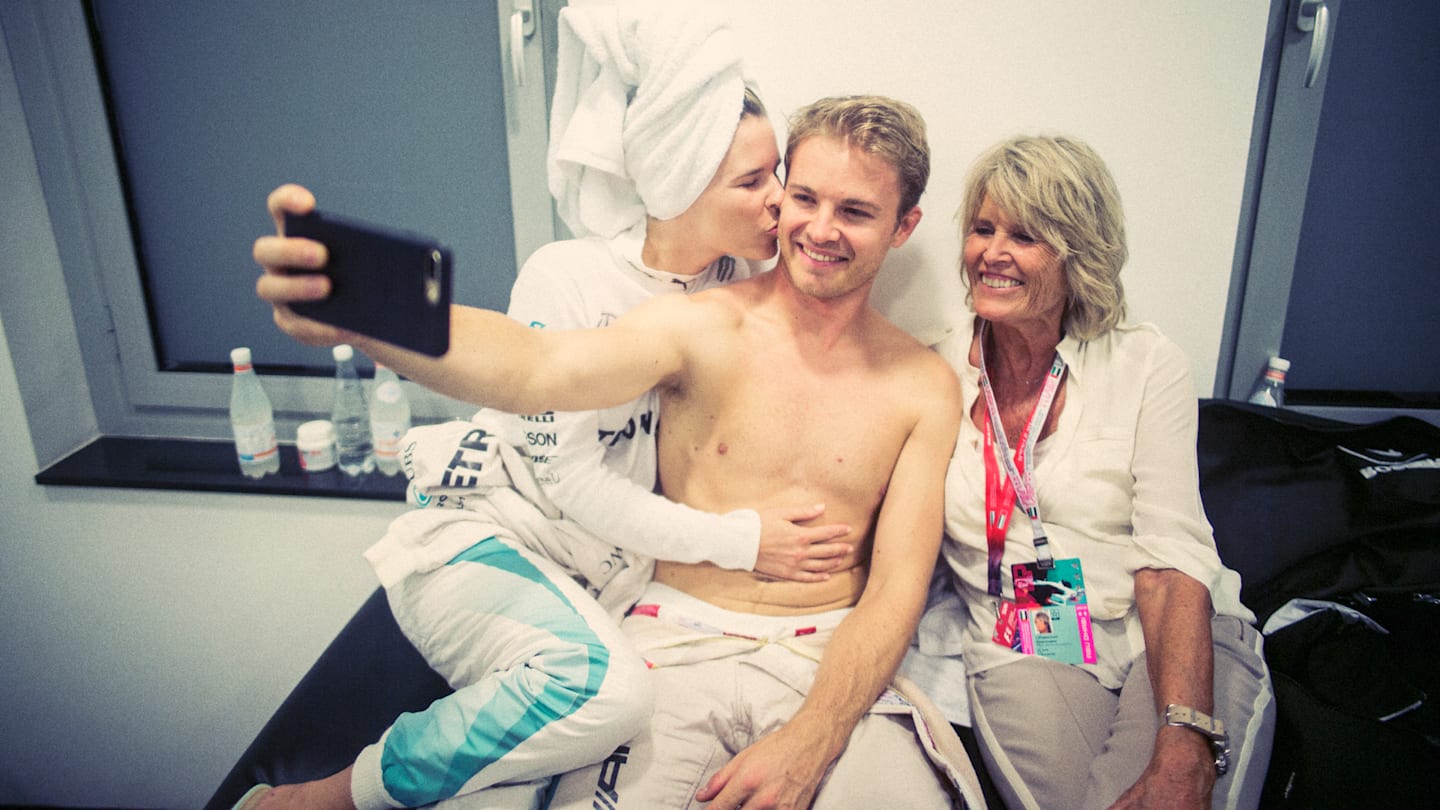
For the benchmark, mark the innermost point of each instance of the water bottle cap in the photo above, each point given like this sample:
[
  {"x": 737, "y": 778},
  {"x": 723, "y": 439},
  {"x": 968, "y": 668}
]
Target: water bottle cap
[
  {"x": 240, "y": 356},
  {"x": 317, "y": 432},
  {"x": 342, "y": 353},
  {"x": 1280, "y": 364}
]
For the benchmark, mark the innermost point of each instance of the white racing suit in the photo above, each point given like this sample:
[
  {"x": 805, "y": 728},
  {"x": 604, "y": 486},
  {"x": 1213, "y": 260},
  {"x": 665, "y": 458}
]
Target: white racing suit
[{"x": 496, "y": 583}]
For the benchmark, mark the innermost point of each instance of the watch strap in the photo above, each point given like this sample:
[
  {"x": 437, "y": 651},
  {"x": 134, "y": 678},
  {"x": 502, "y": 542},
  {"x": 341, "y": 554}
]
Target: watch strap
[{"x": 1211, "y": 728}]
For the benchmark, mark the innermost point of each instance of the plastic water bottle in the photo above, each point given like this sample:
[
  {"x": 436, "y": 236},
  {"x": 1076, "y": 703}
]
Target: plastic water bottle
[
  {"x": 1271, "y": 389},
  {"x": 252, "y": 420},
  {"x": 389, "y": 419},
  {"x": 350, "y": 416}
]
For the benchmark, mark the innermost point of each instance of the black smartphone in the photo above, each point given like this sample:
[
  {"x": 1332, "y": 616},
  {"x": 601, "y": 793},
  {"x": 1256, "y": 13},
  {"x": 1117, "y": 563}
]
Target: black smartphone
[{"x": 387, "y": 284}]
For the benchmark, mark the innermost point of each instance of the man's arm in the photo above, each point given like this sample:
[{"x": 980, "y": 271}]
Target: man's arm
[
  {"x": 784, "y": 769},
  {"x": 493, "y": 361},
  {"x": 557, "y": 289},
  {"x": 497, "y": 362}
]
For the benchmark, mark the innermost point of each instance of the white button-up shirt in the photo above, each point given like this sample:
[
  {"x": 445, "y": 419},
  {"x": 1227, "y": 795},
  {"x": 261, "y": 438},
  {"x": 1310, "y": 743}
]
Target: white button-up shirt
[{"x": 1118, "y": 487}]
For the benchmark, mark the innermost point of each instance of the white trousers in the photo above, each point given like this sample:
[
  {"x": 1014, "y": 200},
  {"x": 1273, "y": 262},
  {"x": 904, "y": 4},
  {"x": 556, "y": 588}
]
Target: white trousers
[{"x": 724, "y": 680}]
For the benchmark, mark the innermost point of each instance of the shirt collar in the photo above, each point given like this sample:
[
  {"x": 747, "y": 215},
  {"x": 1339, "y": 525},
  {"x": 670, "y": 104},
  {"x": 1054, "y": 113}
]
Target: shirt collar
[
  {"x": 629, "y": 245},
  {"x": 1071, "y": 349}
]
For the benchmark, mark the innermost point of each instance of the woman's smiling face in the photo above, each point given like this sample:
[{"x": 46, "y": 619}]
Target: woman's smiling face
[{"x": 1014, "y": 277}]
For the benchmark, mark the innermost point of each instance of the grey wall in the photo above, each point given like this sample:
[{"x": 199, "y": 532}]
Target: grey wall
[{"x": 146, "y": 635}]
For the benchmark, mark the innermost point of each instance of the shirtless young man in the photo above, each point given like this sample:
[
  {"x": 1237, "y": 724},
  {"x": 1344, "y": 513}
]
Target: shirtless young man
[{"x": 787, "y": 386}]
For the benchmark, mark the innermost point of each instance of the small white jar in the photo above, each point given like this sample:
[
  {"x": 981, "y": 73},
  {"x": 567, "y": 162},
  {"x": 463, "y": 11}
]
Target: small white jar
[{"x": 315, "y": 442}]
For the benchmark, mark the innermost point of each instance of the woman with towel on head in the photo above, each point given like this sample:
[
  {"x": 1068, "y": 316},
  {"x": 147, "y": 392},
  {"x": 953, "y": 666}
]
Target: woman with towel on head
[{"x": 663, "y": 164}]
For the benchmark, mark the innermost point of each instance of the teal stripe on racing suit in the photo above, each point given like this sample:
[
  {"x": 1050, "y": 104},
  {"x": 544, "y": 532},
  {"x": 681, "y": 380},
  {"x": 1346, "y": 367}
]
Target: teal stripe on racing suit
[{"x": 429, "y": 756}]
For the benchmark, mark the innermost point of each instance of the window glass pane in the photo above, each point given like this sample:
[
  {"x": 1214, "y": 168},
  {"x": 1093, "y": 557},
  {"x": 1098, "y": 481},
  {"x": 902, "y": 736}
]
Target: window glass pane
[
  {"x": 1361, "y": 326},
  {"x": 391, "y": 112}
]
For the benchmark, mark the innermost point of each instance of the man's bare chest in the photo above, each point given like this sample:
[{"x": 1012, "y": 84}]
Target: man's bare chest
[{"x": 793, "y": 429}]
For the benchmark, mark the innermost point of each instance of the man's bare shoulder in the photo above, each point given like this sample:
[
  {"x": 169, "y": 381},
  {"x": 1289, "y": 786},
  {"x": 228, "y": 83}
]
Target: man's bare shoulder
[
  {"x": 715, "y": 307},
  {"x": 741, "y": 293},
  {"x": 921, "y": 368}
]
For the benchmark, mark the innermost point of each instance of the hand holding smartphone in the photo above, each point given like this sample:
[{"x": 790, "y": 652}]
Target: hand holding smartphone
[{"x": 387, "y": 284}]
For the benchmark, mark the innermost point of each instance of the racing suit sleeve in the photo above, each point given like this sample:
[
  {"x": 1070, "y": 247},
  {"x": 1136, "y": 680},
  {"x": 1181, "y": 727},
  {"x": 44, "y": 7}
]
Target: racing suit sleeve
[{"x": 570, "y": 450}]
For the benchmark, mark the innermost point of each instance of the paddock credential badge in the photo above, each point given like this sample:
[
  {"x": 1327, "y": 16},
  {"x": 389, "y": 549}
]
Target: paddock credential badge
[{"x": 1052, "y": 617}]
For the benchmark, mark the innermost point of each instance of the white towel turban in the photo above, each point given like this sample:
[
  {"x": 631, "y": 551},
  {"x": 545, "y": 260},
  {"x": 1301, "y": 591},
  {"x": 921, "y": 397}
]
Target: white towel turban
[{"x": 647, "y": 98}]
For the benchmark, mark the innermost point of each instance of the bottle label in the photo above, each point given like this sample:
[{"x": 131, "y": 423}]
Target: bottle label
[
  {"x": 387, "y": 436},
  {"x": 317, "y": 458},
  {"x": 255, "y": 442}
]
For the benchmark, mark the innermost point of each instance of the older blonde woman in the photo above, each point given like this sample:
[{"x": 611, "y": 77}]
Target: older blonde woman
[{"x": 1073, "y": 489}]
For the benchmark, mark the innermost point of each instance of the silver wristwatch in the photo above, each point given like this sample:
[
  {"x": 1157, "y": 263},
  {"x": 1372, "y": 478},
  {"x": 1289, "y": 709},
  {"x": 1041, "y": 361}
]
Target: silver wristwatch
[{"x": 1209, "y": 727}]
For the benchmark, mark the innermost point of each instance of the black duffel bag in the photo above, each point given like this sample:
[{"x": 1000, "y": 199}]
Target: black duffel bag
[
  {"x": 1313, "y": 508},
  {"x": 1310, "y": 507}
]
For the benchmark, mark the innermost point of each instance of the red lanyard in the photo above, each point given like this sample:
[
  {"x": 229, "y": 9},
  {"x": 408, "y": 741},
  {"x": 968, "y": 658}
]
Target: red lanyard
[{"x": 1001, "y": 492}]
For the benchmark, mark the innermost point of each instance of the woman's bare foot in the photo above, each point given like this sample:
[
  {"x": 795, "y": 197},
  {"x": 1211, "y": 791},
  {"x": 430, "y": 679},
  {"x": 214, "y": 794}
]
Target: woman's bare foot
[{"x": 330, "y": 793}]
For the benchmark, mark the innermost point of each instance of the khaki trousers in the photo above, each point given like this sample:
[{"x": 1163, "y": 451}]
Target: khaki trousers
[{"x": 1053, "y": 738}]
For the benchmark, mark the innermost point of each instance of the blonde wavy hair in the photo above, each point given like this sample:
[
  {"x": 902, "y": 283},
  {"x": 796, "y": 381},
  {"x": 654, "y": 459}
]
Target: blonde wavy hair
[
  {"x": 1059, "y": 189},
  {"x": 891, "y": 130}
]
